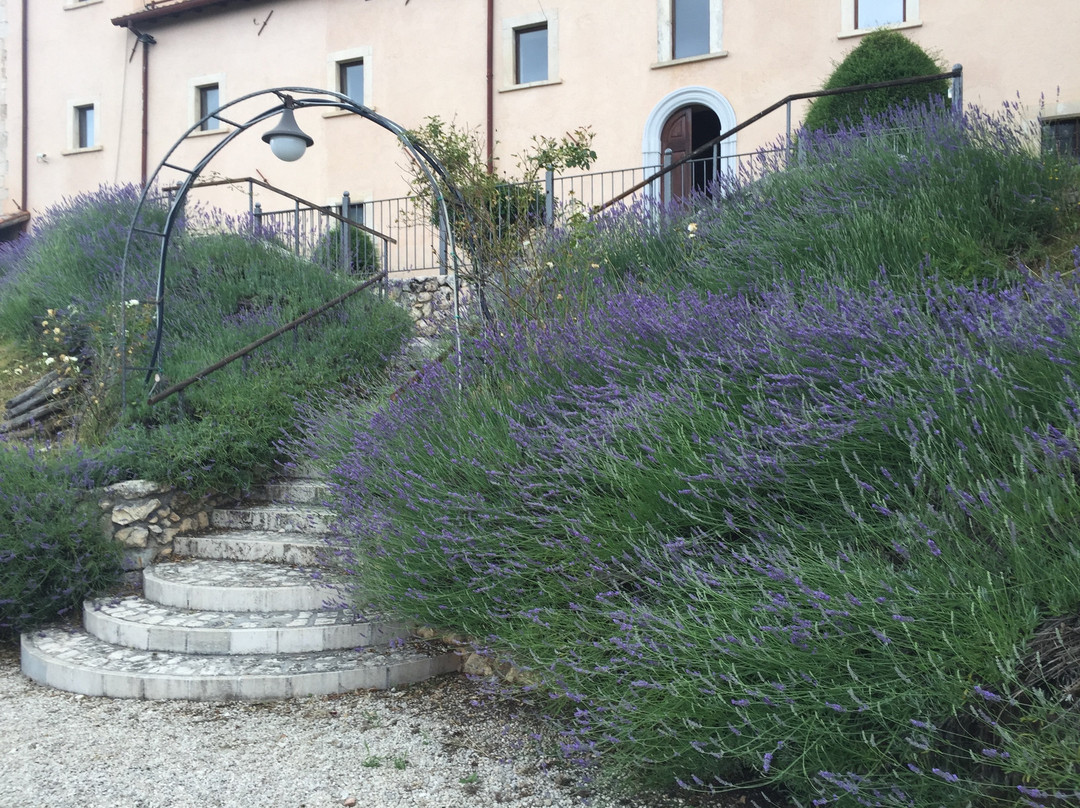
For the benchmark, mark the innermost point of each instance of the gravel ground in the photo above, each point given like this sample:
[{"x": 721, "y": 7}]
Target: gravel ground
[{"x": 441, "y": 744}]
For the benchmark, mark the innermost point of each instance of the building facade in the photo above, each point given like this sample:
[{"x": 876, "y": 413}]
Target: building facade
[{"x": 98, "y": 91}]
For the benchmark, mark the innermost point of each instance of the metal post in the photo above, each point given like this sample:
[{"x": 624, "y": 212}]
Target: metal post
[
  {"x": 716, "y": 163},
  {"x": 386, "y": 268},
  {"x": 443, "y": 245},
  {"x": 958, "y": 91},
  {"x": 788, "y": 141},
  {"x": 256, "y": 215},
  {"x": 549, "y": 196},
  {"x": 251, "y": 198},
  {"x": 346, "y": 264},
  {"x": 296, "y": 228},
  {"x": 667, "y": 177}
]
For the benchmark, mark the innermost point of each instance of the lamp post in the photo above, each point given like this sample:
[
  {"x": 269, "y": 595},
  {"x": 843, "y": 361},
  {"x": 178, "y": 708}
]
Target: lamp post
[{"x": 289, "y": 143}]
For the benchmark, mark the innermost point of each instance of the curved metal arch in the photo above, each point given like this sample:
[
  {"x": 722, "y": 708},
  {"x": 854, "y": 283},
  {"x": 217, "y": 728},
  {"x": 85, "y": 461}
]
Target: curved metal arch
[{"x": 289, "y": 98}]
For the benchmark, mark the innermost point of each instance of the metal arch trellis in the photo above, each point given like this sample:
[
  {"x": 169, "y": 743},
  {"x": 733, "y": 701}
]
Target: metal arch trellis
[{"x": 289, "y": 98}]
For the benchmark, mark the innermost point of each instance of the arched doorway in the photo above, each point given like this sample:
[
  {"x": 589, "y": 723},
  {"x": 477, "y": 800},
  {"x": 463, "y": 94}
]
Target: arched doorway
[
  {"x": 685, "y": 130},
  {"x": 692, "y": 115}
]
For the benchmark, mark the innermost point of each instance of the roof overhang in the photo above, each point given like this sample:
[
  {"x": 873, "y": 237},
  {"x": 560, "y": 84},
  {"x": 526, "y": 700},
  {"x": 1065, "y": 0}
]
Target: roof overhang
[{"x": 171, "y": 9}]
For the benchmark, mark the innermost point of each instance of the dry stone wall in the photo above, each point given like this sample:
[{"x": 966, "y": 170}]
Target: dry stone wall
[
  {"x": 145, "y": 517},
  {"x": 430, "y": 302}
]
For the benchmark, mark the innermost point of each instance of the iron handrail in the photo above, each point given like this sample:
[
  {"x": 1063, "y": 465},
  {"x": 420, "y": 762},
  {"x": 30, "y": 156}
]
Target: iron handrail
[
  {"x": 303, "y": 318},
  {"x": 956, "y": 72}
]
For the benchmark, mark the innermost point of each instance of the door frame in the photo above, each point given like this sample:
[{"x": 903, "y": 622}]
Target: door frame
[{"x": 651, "y": 158}]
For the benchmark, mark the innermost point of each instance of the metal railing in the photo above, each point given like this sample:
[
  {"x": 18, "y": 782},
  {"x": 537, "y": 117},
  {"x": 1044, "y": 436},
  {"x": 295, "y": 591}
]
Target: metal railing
[{"x": 403, "y": 233}]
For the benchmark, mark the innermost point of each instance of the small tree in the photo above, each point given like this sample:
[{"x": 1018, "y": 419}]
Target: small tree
[
  {"x": 881, "y": 56},
  {"x": 496, "y": 214}
]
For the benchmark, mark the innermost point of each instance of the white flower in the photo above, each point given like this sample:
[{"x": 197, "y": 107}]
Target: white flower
[
  {"x": 132, "y": 302},
  {"x": 49, "y": 360}
]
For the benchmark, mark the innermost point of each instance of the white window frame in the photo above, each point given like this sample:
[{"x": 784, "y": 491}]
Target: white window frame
[
  {"x": 335, "y": 59},
  {"x": 194, "y": 102},
  {"x": 73, "y": 4},
  {"x": 847, "y": 19},
  {"x": 510, "y": 27},
  {"x": 665, "y": 45},
  {"x": 73, "y": 107}
]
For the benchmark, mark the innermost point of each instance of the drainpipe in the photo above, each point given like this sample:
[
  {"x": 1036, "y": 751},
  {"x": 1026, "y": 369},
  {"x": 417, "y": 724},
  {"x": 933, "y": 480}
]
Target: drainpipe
[
  {"x": 25, "y": 104},
  {"x": 490, "y": 86},
  {"x": 146, "y": 41}
]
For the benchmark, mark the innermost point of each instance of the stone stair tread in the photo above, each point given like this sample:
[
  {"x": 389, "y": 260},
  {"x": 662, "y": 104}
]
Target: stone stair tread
[
  {"x": 80, "y": 663},
  {"x": 301, "y": 490},
  {"x": 276, "y": 517},
  {"x": 237, "y": 586},
  {"x": 243, "y": 534},
  {"x": 135, "y": 622},
  {"x": 231, "y": 574},
  {"x": 285, "y": 547},
  {"x": 136, "y": 609}
]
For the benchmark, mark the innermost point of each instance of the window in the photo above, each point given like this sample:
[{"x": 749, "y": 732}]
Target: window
[
  {"x": 349, "y": 71},
  {"x": 1063, "y": 136},
  {"x": 530, "y": 50},
  {"x": 531, "y": 54},
  {"x": 865, "y": 15},
  {"x": 875, "y": 13},
  {"x": 351, "y": 80},
  {"x": 209, "y": 100},
  {"x": 689, "y": 28},
  {"x": 85, "y": 136}
]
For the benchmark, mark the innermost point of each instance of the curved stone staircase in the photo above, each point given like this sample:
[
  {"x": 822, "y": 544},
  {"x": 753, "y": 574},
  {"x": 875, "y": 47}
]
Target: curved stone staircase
[{"x": 241, "y": 616}]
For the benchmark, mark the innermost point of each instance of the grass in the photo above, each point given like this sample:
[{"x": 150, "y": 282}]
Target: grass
[{"x": 778, "y": 489}]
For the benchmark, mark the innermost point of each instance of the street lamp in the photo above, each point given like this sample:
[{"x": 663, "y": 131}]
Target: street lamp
[{"x": 287, "y": 140}]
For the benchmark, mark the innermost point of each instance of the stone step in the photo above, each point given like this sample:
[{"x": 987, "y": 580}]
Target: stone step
[
  {"x": 295, "y": 491},
  {"x": 80, "y": 663},
  {"x": 286, "y": 518},
  {"x": 240, "y": 586},
  {"x": 137, "y": 623},
  {"x": 253, "y": 545}
]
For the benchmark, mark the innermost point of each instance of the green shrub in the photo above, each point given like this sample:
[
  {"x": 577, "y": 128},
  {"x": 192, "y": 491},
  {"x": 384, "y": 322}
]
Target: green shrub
[
  {"x": 880, "y": 56},
  {"x": 364, "y": 252}
]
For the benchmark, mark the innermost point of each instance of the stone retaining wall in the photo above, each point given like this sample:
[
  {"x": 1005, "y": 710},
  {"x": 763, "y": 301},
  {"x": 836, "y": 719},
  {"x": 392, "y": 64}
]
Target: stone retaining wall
[
  {"x": 430, "y": 301},
  {"x": 145, "y": 517}
]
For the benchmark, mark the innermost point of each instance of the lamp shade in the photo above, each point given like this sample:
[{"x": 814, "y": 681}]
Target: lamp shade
[{"x": 288, "y": 141}]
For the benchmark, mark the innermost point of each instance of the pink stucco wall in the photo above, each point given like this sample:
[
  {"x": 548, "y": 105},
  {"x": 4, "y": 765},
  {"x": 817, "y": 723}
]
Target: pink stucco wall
[{"x": 428, "y": 57}]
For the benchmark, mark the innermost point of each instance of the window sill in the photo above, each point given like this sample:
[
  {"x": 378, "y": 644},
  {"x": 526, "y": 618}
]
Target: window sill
[
  {"x": 204, "y": 132},
  {"x": 341, "y": 113},
  {"x": 87, "y": 150},
  {"x": 900, "y": 26},
  {"x": 71, "y": 5},
  {"x": 515, "y": 87},
  {"x": 703, "y": 57}
]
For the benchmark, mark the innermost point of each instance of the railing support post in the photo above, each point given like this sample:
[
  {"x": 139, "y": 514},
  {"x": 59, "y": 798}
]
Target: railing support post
[
  {"x": 788, "y": 140},
  {"x": 296, "y": 227},
  {"x": 958, "y": 90},
  {"x": 549, "y": 197},
  {"x": 345, "y": 262},
  {"x": 256, "y": 215},
  {"x": 668, "y": 179}
]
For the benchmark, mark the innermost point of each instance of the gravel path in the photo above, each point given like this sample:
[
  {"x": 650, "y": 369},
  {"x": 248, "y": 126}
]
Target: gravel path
[{"x": 440, "y": 744}]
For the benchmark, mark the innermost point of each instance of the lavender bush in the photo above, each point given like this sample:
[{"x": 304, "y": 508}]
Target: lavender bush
[
  {"x": 800, "y": 538},
  {"x": 52, "y": 551},
  {"x": 973, "y": 192},
  {"x": 229, "y": 283}
]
